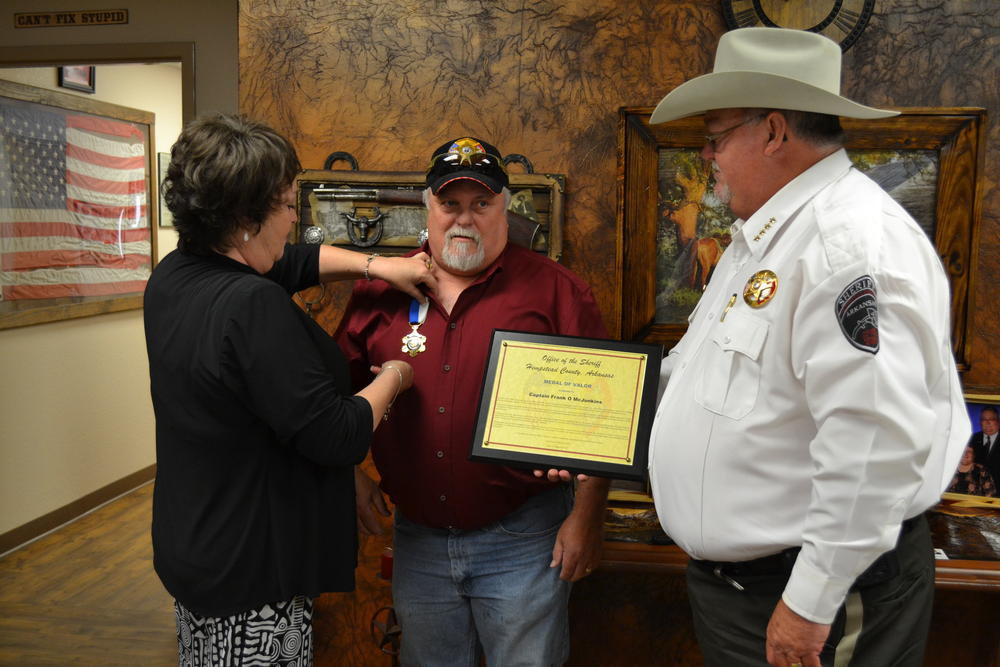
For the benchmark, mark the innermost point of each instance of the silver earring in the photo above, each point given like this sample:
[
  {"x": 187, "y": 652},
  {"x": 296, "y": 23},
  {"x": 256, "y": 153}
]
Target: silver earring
[{"x": 246, "y": 236}]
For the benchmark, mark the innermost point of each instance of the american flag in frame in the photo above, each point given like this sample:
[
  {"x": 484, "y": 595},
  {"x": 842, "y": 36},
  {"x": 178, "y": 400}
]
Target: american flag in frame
[{"x": 75, "y": 205}]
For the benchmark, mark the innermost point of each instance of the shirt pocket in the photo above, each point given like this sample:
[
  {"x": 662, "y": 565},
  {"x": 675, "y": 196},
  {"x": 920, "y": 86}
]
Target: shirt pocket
[{"x": 730, "y": 379}]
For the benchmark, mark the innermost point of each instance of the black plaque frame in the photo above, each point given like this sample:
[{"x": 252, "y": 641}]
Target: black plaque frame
[{"x": 539, "y": 456}]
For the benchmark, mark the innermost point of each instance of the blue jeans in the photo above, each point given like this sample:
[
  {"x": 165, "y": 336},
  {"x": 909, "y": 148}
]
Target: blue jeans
[{"x": 461, "y": 593}]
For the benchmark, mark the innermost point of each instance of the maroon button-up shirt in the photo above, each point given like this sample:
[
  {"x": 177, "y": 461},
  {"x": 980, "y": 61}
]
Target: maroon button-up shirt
[{"x": 422, "y": 451}]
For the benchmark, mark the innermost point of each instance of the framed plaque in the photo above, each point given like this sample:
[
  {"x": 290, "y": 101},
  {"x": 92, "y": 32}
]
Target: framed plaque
[{"x": 580, "y": 404}]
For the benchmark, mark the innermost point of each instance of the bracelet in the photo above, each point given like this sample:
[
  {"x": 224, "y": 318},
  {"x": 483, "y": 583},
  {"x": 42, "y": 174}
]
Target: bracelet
[
  {"x": 385, "y": 415},
  {"x": 368, "y": 263}
]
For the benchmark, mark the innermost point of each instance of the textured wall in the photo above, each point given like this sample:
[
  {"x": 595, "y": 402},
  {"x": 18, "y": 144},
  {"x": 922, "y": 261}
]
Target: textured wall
[{"x": 387, "y": 80}]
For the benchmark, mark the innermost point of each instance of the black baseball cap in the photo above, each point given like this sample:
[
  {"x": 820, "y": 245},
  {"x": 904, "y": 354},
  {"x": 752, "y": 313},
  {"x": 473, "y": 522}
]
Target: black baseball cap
[{"x": 469, "y": 158}]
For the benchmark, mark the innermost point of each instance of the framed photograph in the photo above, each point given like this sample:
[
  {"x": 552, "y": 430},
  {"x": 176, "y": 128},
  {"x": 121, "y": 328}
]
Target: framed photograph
[
  {"x": 672, "y": 229},
  {"x": 978, "y": 471},
  {"x": 964, "y": 525},
  {"x": 162, "y": 162},
  {"x": 579, "y": 404},
  {"x": 75, "y": 237},
  {"x": 78, "y": 77}
]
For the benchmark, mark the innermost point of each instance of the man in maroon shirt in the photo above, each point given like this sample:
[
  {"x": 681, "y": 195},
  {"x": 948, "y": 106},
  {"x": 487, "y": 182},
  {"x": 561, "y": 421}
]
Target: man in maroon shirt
[{"x": 483, "y": 554}]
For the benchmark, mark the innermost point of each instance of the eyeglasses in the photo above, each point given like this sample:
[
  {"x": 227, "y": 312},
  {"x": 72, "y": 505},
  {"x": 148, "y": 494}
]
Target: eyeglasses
[{"x": 711, "y": 140}]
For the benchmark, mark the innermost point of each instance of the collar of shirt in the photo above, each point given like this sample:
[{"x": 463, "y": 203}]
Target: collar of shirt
[
  {"x": 486, "y": 275},
  {"x": 765, "y": 225}
]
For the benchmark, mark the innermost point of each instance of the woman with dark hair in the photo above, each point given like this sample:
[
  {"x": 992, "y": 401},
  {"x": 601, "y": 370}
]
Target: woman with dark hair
[
  {"x": 257, "y": 432},
  {"x": 972, "y": 478}
]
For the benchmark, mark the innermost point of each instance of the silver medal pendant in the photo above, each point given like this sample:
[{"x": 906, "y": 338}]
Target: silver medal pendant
[{"x": 413, "y": 342}]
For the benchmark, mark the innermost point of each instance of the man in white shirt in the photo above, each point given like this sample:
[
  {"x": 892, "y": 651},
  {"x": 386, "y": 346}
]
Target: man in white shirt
[{"x": 812, "y": 411}]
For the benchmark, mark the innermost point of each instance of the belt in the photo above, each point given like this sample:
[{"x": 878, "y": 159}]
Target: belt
[{"x": 781, "y": 563}]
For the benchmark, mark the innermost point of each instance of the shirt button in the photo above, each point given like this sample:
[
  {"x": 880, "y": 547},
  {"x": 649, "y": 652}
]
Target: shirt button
[
  {"x": 441, "y": 409},
  {"x": 443, "y": 497},
  {"x": 452, "y": 325},
  {"x": 440, "y": 454},
  {"x": 447, "y": 367},
  {"x": 727, "y": 339}
]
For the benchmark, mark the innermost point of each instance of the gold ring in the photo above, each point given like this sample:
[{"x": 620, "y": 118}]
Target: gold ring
[{"x": 588, "y": 571}]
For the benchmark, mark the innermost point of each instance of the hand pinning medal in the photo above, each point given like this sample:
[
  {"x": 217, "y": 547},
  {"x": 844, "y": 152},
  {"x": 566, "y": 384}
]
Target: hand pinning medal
[{"x": 414, "y": 342}]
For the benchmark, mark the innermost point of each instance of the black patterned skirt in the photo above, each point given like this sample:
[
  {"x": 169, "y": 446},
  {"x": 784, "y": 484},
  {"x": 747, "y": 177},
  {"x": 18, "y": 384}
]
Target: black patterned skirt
[{"x": 277, "y": 634}]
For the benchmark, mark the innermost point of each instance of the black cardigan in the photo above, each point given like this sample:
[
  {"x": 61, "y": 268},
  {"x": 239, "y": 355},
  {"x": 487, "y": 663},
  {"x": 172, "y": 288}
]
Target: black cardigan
[{"x": 256, "y": 436}]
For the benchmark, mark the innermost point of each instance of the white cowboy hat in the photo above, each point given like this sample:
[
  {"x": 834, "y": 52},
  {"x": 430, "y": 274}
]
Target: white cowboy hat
[{"x": 771, "y": 68}]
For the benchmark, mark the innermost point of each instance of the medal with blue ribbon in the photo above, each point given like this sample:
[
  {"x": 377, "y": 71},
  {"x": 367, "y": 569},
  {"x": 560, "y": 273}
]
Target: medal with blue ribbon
[{"x": 413, "y": 342}]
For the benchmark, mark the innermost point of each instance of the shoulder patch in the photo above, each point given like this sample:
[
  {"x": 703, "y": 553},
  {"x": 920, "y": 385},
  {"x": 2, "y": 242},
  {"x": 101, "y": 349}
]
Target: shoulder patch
[{"x": 857, "y": 314}]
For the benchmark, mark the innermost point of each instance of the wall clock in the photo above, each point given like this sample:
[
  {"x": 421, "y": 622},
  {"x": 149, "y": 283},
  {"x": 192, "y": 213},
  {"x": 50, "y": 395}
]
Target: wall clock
[{"x": 840, "y": 20}]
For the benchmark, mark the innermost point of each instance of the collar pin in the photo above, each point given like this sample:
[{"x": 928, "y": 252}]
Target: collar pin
[{"x": 763, "y": 231}]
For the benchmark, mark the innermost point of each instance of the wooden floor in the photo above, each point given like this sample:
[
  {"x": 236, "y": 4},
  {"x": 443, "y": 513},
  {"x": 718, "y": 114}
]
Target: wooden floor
[{"x": 86, "y": 594}]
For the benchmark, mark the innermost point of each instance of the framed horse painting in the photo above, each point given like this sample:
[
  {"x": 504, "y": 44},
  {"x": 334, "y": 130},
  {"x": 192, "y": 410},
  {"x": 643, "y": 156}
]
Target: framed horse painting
[{"x": 672, "y": 230}]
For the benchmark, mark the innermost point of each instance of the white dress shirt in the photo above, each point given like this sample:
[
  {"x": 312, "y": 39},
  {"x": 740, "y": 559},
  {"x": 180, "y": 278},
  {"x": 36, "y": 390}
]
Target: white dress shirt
[{"x": 774, "y": 430}]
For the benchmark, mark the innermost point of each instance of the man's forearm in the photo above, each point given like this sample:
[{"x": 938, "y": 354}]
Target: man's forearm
[{"x": 592, "y": 497}]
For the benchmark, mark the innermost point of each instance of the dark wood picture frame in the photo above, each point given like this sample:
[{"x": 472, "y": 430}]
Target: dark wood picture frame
[
  {"x": 78, "y": 77},
  {"x": 955, "y": 135},
  {"x": 17, "y": 312}
]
